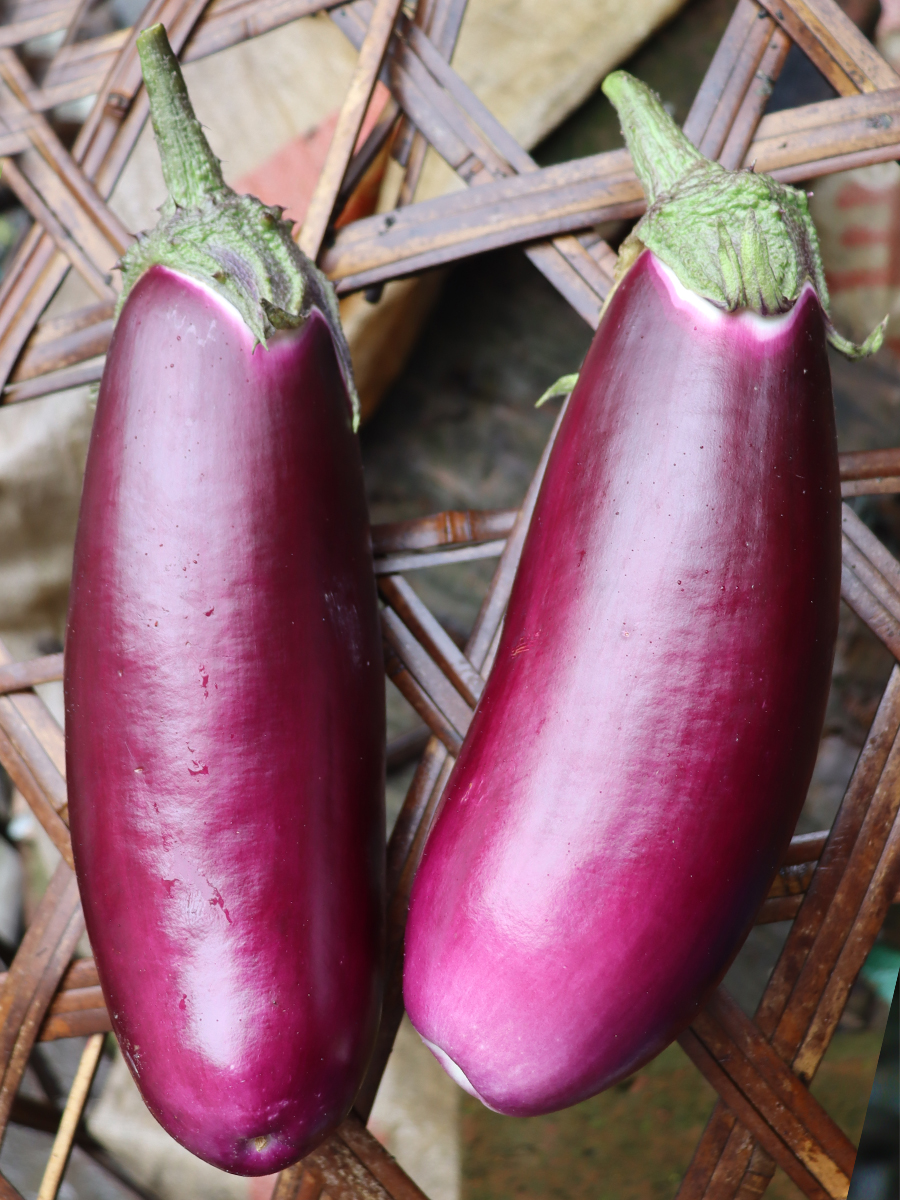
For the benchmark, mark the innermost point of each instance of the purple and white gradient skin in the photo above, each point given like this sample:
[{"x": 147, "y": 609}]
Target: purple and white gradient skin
[
  {"x": 642, "y": 749},
  {"x": 225, "y": 727}
]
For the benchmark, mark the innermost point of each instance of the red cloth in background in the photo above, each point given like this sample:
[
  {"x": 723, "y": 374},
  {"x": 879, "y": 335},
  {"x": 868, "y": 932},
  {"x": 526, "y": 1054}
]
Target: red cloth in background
[{"x": 289, "y": 177}]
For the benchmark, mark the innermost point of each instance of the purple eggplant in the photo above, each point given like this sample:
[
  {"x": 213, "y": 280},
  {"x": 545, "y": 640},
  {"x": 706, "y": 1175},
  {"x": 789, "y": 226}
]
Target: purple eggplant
[
  {"x": 223, "y": 679},
  {"x": 640, "y": 754}
]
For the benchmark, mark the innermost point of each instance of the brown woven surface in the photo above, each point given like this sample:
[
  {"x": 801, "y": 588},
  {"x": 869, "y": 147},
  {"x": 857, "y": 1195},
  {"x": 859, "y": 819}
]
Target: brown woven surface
[{"x": 835, "y": 885}]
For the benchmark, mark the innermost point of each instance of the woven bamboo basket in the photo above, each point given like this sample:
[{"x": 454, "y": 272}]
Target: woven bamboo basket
[{"x": 835, "y": 886}]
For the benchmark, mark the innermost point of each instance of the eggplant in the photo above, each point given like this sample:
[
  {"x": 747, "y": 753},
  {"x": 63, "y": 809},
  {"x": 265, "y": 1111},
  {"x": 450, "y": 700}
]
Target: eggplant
[
  {"x": 641, "y": 751},
  {"x": 223, "y": 678}
]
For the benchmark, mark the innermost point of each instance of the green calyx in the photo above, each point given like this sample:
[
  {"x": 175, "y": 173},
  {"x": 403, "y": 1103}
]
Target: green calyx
[
  {"x": 738, "y": 239},
  {"x": 564, "y": 386},
  {"x": 236, "y": 245}
]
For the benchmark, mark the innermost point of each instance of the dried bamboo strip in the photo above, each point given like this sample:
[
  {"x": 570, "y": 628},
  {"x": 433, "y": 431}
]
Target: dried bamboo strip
[
  {"x": 732, "y": 96},
  {"x": 880, "y": 893},
  {"x": 52, "y": 151},
  {"x": 36, "y": 207},
  {"x": 440, "y": 20},
  {"x": 726, "y": 1149},
  {"x": 750, "y": 1118},
  {"x": 395, "y": 564},
  {"x": 37, "y": 25},
  {"x": 429, "y": 101},
  {"x": 876, "y": 553},
  {"x": 868, "y": 464},
  {"x": 431, "y": 635},
  {"x": 576, "y": 195},
  {"x": 78, "y": 69},
  {"x": 449, "y": 528},
  {"x": 846, "y": 58},
  {"x": 817, "y": 1126},
  {"x": 15, "y": 677},
  {"x": 222, "y": 25},
  {"x": 78, "y": 1094},
  {"x": 425, "y": 671},
  {"x": 870, "y": 610},
  {"x": 56, "y": 381},
  {"x": 412, "y": 691},
  {"x": 65, "y": 341},
  {"x": 806, "y": 847},
  {"x": 872, "y": 579},
  {"x": 368, "y": 152},
  {"x": 719, "y": 72},
  {"x": 35, "y": 735},
  {"x": 381, "y": 1165},
  {"x": 76, "y": 1024},
  {"x": 810, "y": 1153},
  {"x": 32, "y": 782},
  {"x": 870, "y": 784},
  {"x": 886, "y": 486},
  {"x": 749, "y": 114},
  {"x": 359, "y": 95},
  {"x": 33, "y": 977}
]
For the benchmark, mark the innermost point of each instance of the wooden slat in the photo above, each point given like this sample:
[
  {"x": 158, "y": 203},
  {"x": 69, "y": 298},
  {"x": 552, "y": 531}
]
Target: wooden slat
[
  {"x": 417, "y": 697},
  {"x": 748, "y": 115},
  {"x": 724, "y": 1160},
  {"x": 23, "y": 29},
  {"x": 33, "y": 978},
  {"x": 846, "y": 58},
  {"x": 576, "y": 195},
  {"x": 776, "y": 1092},
  {"x": 719, "y": 72},
  {"x": 426, "y": 672},
  {"x": 468, "y": 136},
  {"x": 450, "y": 528},
  {"x": 394, "y": 564},
  {"x": 65, "y": 341},
  {"x": 349, "y": 124},
  {"x": 749, "y": 58},
  {"x": 429, "y": 633},
  {"x": 750, "y": 1119},
  {"x": 869, "y": 464},
  {"x": 886, "y": 486},
  {"x": 65, "y": 1135},
  {"x": 15, "y": 677}
]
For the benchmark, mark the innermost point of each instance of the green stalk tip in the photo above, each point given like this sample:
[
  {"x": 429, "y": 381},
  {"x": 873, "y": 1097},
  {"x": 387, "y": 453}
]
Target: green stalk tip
[
  {"x": 189, "y": 167},
  {"x": 660, "y": 151}
]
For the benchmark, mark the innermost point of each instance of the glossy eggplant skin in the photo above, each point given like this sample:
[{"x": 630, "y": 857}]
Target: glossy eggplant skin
[
  {"x": 225, "y": 727},
  {"x": 644, "y": 744}
]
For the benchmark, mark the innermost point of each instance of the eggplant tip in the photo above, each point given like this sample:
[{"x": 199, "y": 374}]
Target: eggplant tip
[{"x": 455, "y": 1072}]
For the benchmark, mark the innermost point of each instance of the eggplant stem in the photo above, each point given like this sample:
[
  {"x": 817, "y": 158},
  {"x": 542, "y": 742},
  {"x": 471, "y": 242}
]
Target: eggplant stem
[{"x": 190, "y": 169}]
